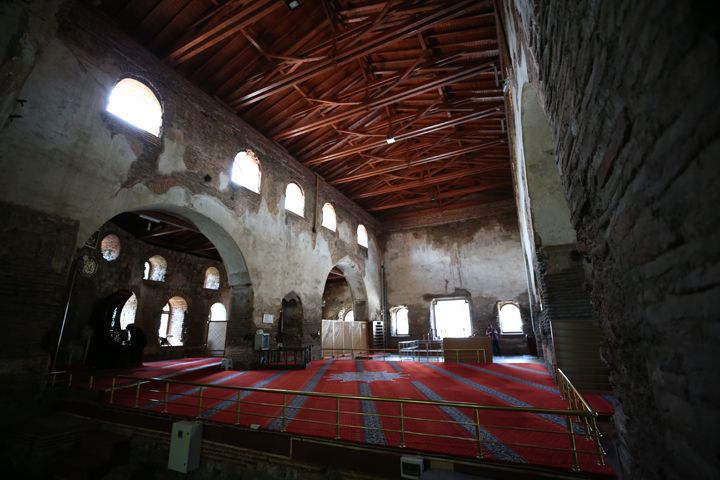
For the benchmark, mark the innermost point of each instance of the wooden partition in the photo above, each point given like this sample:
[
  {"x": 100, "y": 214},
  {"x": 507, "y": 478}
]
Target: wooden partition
[
  {"x": 467, "y": 349},
  {"x": 343, "y": 338}
]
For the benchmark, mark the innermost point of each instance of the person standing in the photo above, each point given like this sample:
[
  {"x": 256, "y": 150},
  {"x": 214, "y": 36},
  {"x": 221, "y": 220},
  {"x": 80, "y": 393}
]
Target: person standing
[{"x": 494, "y": 335}]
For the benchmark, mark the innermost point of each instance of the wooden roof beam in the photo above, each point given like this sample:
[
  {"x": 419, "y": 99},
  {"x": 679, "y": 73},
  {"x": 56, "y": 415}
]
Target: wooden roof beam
[
  {"x": 407, "y": 135},
  {"x": 371, "y": 45},
  {"x": 254, "y": 11},
  {"x": 383, "y": 102},
  {"x": 412, "y": 163},
  {"x": 424, "y": 182},
  {"x": 440, "y": 196}
]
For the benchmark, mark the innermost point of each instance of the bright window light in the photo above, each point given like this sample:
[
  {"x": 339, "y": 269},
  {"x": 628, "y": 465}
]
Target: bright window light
[
  {"x": 399, "y": 317},
  {"x": 246, "y": 171},
  {"x": 349, "y": 316},
  {"x": 510, "y": 319},
  {"x": 452, "y": 318},
  {"x": 328, "y": 217},
  {"x": 295, "y": 199},
  {"x": 362, "y": 236},
  {"x": 135, "y": 103}
]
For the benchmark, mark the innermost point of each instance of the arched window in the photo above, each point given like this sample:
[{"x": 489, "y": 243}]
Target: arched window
[
  {"x": 127, "y": 314},
  {"x": 399, "y": 321},
  {"x": 158, "y": 268},
  {"x": 110, "y": 247},
  {"x": 349, "y": 316},
  {"x": 218, "y": 313},
  {"x": 328, "y": 217},
  {"x": 510, "y": 319},
  {"x": 212, "y": 278},
  {"x": 362, "y": 237},
  {"x": 246, "y": 171},
  {"x": 172, "y": 322},
  {"x": 135, "y": 103},
  {"x": 295, "y": 199}
]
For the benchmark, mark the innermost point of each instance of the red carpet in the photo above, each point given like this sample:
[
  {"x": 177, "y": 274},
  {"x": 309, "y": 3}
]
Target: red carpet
[{"x": 516, "y": 437}]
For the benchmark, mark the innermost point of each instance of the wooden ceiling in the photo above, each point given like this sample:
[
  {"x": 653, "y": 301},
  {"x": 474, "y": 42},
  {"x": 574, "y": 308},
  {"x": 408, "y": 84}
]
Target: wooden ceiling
[
  {"x": 333, "y": 81},
  {"x": 167, "y": 231}
]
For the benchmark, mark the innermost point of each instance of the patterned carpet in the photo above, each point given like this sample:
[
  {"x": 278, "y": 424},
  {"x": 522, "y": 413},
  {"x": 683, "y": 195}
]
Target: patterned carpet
[{"x": 527, "y": 438}]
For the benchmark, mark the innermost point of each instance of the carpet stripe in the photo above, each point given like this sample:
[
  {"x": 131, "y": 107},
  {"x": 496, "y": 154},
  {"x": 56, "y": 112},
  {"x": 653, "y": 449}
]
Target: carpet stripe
[
  {"x": 374, "y": 429},
  {"x": 499, "y": 450},
  {"x": 556, "y": 419},
  {"x": 512, "y": 378},
  {"x": 194, "y": 390},
  {"x": 233, "y": 398},
  {"x": 297, "y": 402},
  {"x": 525, "y": 369}
]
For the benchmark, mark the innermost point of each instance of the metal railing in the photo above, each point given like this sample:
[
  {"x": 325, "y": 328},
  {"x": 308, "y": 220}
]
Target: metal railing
[
  {"x": 404, "y": 354},
  {"x": 404, "y": 422}
]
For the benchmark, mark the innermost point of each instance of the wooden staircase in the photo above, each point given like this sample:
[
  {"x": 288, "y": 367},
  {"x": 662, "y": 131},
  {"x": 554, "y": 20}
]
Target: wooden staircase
[{"x": 576, "y": 337}]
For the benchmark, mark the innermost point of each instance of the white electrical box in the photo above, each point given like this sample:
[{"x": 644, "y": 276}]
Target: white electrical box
[
  {"x": 185, "y": 443},
  {"x": 411, "y": 467}
]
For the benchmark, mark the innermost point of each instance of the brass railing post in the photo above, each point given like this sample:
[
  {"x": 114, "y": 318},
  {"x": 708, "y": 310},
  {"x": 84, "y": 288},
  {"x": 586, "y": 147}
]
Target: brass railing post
[
  {"x": 479, "y": 436},
  {"x": 596, "y": 440},
  {"x": 237, "y": 408},
  {"x": 166, "y": 398},
  {"x": 200, "y": 401},
  {"x": 402, "y": 426},
  {"x": 54, "y": 378},
  {"x": 573, "y": 449},
  {"x": 282, "y": 419},
  {"x": 337, "y": 419},
  {"x": 69, "y": 379},
  {"x": 112, "y": 390},
  {"x": 92, "y": 381},
  {"x": 137, "y": 395}
]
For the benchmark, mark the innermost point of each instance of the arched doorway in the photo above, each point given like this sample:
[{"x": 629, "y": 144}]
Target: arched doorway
[
  {"x": 216, "y": 330},
  {"x": 290, "y": 326},
  {"x": 149, "y": 231},
  {"x": 344, "y": 310}
]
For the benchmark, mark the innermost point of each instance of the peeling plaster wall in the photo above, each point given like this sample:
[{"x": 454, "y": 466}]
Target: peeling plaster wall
[
  {"x": 64, "y": 158},
  {"x": 480, "y": 259},
  {"x": 631, "y": 94}
]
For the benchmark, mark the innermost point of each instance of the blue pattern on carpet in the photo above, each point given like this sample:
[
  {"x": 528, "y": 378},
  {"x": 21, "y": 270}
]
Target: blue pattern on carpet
[
  {"x": 374, "y": 433},
  {"x": 297, "y": 402},
  {"x": 232, "y": 400},
  {"x": 525, "y": 369},
  {"x": 491, "y": 443},
  {"x": 193, "y": 390},
  {"x": 512, "y": 378},
  {"x": 556, "y": 419}
]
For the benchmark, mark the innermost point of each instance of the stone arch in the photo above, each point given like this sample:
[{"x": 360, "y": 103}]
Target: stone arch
[
  {"x": 290, "y": 328},
  {"x": 354, "y": 279},
  {"x": 550, "y": 212},
  {"x": 214, "y": 221}
]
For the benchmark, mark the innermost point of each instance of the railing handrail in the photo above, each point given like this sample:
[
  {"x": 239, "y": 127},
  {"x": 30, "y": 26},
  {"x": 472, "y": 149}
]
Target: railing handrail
[
  {"x": 551, "y": 411},
  {"x": 575, "y": 391}
]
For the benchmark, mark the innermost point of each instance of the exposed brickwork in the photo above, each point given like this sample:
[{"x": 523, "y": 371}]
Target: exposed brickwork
[{"x": 631, "y": 93}]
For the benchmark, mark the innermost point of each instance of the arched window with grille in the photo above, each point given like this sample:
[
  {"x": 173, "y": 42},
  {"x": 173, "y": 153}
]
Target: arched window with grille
[
  {"x": 172, "y": 323},
  {"x": 110, "y": 247},
  {"x": 157, "y": 268},
  {"x": 362, "y": 236},
  {"x": 246, "y": 171},
  {"x": 399, "y": 322},
  {"x": 212, "y": 278},
  {"x": 329, "y": 220},
  {"x": 295, "y": 199},
  {"x": 135, "y": 103},
  {"x": 510, "y": 319}
]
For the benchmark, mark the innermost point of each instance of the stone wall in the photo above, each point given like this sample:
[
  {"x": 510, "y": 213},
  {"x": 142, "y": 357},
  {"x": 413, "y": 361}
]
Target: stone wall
[
  {"x": 337, "y": 299},
  {"x": 63, "y": 157},
  {"x": 479, "y": 259},
  {"x": 630, "y": 92},
  {"x": 184, "y": 278}
]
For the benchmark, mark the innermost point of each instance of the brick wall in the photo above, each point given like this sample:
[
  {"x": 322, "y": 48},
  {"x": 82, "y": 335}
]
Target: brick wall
[{"x": 631, "y": 93}]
